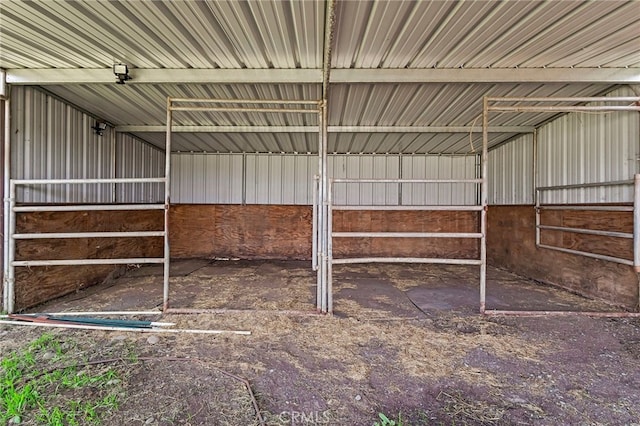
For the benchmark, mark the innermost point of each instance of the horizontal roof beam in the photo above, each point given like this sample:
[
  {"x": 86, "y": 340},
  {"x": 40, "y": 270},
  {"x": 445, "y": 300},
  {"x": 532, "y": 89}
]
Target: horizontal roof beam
[
  {"x": 488, "y": 75},
  {"x": 50, "y": 76},
  {"x": 331, "y": 129}
]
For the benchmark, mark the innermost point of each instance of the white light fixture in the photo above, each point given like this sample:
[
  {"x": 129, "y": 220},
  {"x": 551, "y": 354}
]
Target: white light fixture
[
  {"x": 122, "y": 73},
  {"x": 99, "y": 128}
]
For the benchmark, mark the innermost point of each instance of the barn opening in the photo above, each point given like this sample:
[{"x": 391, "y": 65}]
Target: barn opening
[{"x": 396, "y": 144}]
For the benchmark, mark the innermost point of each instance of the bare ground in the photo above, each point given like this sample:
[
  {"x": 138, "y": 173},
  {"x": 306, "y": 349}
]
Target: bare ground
[{"x": 444, "y": 364}]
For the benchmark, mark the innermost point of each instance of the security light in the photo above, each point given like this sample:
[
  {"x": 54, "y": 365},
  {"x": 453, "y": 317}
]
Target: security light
[
  {"x": 122, "y": 73},
  {"x": 99, "y": 128}
]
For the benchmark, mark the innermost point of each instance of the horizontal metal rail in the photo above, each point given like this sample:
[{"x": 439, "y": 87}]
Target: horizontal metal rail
[
  {"x": 82, "y": 181},
  {"x": 586, "y": 185},
  {"x": 87, "y": 207},
  {"x": 560, "y": 99},
  {"x": 566, "y": 108},
  {"x": 603, "y": 314},
  {"x": 232, "y": 109},
  {"x": 581, "y": 207},
  {"x": 588, "y": 231},
  {"x": 588, "y": 254},
  {"x": 406, "y": 235},
  {"x": 346, "y": 180},
  {"x": 352, "y": 260},
  {"x": 416, "y": 208},
  {"x": 247, "y": 101},
  {"x": 70, "y": 262},
  {"x": 63, "y": 235}
]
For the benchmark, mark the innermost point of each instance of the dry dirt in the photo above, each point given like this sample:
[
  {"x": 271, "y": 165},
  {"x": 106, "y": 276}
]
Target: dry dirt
[{"x": 379, "y": 353}]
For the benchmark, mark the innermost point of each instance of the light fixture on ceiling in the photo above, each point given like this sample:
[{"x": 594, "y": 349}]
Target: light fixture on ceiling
[
  {"x": 99, "y": 128},
  {"x": 122, "y": 73}
]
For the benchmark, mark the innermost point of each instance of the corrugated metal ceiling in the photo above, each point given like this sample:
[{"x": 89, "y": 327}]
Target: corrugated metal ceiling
[
  {"x": 162, "y": 34},
  {"x": 481, "y": 34},
  {"x": 431, "y": 104},
  {"x": 288, "y": 34},
  {"x": 392, "y": 143},
  {"x": 146, "y": 103}
]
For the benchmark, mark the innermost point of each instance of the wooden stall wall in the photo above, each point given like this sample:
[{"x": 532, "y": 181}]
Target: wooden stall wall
[
  {"x": 36, "y": 285},
  {"x": 284, "y": 232},
  {"x": 247, "y": 232},
  {"x": 217, "y": 230},
  {"x": 511, "y": 245}
]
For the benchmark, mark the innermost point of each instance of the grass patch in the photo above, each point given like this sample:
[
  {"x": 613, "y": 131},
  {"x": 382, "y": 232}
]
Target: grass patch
[{"x": 42, "y": 384}]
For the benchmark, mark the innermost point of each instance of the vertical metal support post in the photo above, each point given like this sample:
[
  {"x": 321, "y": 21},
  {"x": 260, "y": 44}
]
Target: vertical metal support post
[
  {"x": 484, "y": 198},
  {"x": 636, "y": 225},
  {"x": 167, "y": 201},
  {"x": 320, "y": 230},
  {"x": 330, "y": 248},
  {"x": 11, "y": 276},
  {"x": 7, "y": 285},
  {"x": 536, "y": 183},
  {"x": 314, "y": 226},
  {"x": 324, "y": 213},
  {"x": 114, "y": 170}
]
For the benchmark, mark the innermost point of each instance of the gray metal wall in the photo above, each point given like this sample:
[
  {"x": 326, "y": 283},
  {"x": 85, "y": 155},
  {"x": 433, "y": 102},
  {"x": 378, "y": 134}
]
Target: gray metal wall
[
  {"x": 136, "y": 159},
  {"x": 53, "y": 140},
  {"x": 50, "y": 139},
  {"x": 511, "y": 172},
  {"x": 575, "y": 148},
  {"x": 288, "y": 178}
]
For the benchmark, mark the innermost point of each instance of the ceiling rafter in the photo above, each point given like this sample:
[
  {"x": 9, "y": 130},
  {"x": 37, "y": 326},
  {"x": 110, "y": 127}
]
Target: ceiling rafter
[
  {"x": 50, "y": 76},
  {"x": 330, "y": 129}
]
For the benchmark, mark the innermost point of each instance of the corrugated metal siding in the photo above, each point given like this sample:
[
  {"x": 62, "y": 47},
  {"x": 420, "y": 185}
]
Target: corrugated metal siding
[
  {"x": 582, "y": 148},
  {"x": 365, "y": 167},
  {"x": 280, "y": 179},
  {"x": 288, "y": 179},
  {"x": 135, "y": 158},
  {"x": 511, "y": 172},
  {"x": 439, "y": 167},
  {"x": 206, "y": 178},
  {"x": 51, "y": 139}
]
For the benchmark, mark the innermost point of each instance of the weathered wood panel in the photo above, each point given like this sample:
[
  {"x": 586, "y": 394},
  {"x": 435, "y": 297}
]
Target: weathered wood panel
[
  {"x": 284, "y": 232},
  {"x": 35, "y": 285},
  {"x": 405, "y": 221},
  {"x": 249, "y": 232},
  {"x": 208, "y": 231},
  {"x": 596, "y": 220},
  {"x": 511, "y": 245}
]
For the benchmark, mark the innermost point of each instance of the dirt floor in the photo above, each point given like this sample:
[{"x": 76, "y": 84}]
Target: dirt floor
[{"x": 405, "y": 340}]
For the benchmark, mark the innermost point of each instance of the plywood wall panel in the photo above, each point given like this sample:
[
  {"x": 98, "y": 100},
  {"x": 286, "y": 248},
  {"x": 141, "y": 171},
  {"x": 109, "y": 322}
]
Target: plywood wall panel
[
  {"x": 36, "y": 285},
  {"x": 511, "y": 245}
]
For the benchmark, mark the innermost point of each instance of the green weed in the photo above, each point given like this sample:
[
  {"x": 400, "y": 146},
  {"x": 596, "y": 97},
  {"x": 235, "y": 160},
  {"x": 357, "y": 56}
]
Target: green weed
[
  {"x": 53, "y": 396},
  {"x": 386, "y": 421}
]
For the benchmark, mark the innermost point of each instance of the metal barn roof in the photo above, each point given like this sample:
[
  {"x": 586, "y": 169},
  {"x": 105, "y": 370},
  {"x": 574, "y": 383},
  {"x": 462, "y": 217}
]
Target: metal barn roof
[{"x": 406, "y": 76}]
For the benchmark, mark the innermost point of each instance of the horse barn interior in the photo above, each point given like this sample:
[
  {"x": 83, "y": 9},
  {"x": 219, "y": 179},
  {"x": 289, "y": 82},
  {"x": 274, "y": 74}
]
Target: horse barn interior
[{"x": 284, "y": 155}]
